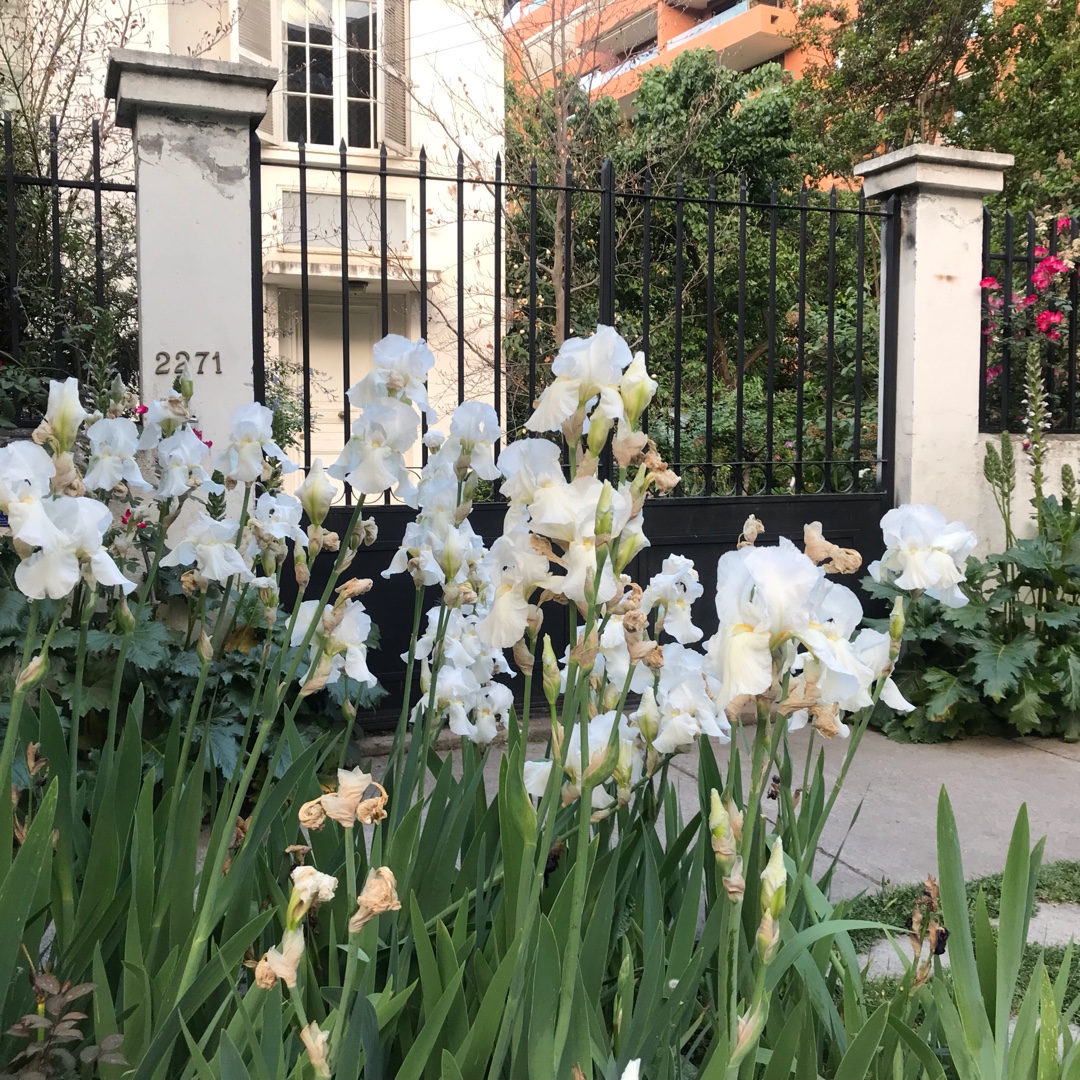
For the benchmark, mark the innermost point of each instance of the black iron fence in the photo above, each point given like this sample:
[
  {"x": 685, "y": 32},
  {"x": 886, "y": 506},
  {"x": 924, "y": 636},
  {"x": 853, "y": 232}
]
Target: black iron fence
[
  {"x": 761, "y": 314},
  {"x": 1030, "y": 290},
  {"x": 67, "y": 279}
]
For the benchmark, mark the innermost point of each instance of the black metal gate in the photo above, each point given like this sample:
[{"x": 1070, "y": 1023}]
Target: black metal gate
[{"x": 768, "y": 320}]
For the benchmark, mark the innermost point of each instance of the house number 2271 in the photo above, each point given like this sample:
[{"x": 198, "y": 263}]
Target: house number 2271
[{"x": 170, "y": 364}]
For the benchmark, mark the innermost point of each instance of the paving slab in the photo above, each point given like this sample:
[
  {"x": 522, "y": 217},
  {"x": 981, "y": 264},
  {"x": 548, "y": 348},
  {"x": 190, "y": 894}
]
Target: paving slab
[{"x": 894, "y": 789}]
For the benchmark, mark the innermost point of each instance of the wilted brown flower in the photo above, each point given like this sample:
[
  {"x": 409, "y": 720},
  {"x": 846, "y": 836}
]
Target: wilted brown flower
[
  {"x": 832, "y": 558},
  {"x": 372, "y": 811},
  {"x": 523, "y": 657},
  {"x": 265, "y": 978},
  {"x": 379, "y": 894},
  {"x": 752, "y": 528},
  {"x": 354, "y": 587},
  {"x": 312, "y": 815}
]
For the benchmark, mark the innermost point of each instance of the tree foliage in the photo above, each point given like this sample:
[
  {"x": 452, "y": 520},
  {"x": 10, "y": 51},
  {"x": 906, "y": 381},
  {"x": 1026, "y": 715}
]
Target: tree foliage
[
  {"x": 1021, "y": 95},
  {"x": 878, "y": 74},
  {"x": 696, "y": 124}
]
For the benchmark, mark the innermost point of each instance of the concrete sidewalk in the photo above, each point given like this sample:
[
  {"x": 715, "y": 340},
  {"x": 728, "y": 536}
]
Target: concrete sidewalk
[
  {"x": 894, "y": 838},
  {"x": 894, "y": 788}
]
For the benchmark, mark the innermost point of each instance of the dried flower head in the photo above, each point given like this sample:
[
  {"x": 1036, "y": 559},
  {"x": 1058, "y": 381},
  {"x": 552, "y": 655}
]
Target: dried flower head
[
  {"x": 265, "y": 976},
  {"x": 378, "y": 895},
  {"x": 751, "y": 530},
  {"x": 831, "y": 557},
  {"x": 372, "y": 811},
  {"x": 312, "y": 815}
]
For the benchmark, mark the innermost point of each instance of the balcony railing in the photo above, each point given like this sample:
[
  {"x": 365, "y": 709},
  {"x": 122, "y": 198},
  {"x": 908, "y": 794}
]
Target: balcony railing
[
  {"x": 595, "y": 79},
  {"x": 720, "y": 17}
]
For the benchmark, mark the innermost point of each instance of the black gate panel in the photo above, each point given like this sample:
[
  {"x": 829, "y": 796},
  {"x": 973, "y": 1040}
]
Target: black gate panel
[{"x": 701, "y": 529}]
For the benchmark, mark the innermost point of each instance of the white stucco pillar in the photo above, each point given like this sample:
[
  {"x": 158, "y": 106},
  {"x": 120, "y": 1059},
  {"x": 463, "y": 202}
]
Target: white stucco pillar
[
  {"x": 192, "y": 120},
  {"x": 938, "y": 453}
]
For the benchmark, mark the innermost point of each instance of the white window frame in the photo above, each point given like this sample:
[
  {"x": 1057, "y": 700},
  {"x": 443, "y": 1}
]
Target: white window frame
[
  {"x": 317, "y": 250},
  {"x": 340, "y": 98}
]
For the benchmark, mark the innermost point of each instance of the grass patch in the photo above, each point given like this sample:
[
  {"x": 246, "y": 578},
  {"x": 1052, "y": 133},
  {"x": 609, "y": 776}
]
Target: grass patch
[{"x": 1058, "y": 883}]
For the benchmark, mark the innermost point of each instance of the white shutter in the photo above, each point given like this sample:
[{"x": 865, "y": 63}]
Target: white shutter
[
  {"x": 256, "y": 32},
  {"x": 393, "y": 72}
]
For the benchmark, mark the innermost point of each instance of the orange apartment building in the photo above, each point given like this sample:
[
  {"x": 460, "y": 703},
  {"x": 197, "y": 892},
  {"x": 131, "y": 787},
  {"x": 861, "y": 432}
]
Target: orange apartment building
[{"x": 608, "y": 44}]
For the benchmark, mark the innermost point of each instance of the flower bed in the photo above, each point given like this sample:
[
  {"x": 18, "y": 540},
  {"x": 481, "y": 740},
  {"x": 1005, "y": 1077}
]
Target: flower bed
[{"x": 293, "y": 916}]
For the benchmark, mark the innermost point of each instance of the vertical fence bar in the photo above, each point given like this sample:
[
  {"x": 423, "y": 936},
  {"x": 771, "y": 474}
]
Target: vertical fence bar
[
  {"x": 1030, "y": 254},
  {"x": 984, "y": 343},
  {"x": 890, "y": 258},
  {"x": 710, "y": 318},
  {"x": 1074, "y": 298},
  {"x": 99, "y": 236},
  {"x": 860, "y": 283},
  {"x": 800, "y": 356},
  {"x": 384, "y": 250},
  {"x": 384, "y": 262},
  {"x": 12, "y": 241},
  {"x": 422, "y": 193},
  {"x": 533, "y": 313},
  {"x": 422, "y": 183},
  {"x": 740, "y": 349},
  {"x": 346, "y": 330},
  {"x": 498, "y": 297},
  {"x": 770, "y": 378},
  {"x": 1049, "y": 377},
  {"x": 568, "y": 247},
  {"x": 607, "y": 243},
  {"x": 258, "y": 330},
  {"x": 1006, "y": 323},
  {"x": 646, "y": 267},
  {"x": 57, "y": 285},
  {"x": 677, "y": 358},
  {"x": 830, "y": 346},
  {"x": 460, "y": 277},
  {"x": 305, "y": 302}
]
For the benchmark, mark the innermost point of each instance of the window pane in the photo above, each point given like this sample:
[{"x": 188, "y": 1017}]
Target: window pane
[
  {"x": 295, "y": 118},
  {"x": 322, "y": 121},
  {"x": 360, "y": 124},
  {"x": 357, "y": 25},
  {"x": 359, "y": 75},
  {"x": 295, "y": 20},
  {"x": 296, "y": 68},
  {"x": 320, "y": 71},
  {"x": 320, "y": 23}
]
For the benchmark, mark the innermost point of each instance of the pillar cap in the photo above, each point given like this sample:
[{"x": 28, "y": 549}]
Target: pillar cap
[
  {"x": 925, "y": 167},
  {"x": 142, "y": 81}
]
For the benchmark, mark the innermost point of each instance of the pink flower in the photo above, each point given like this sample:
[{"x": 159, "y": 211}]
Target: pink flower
[
  {"x": 1046, "y": 269},
  {"x": 125, "y": 517},
  {"x": 995, "y": 302},
  {"x": 1046, "y": 319},
  {"x": 1027, "y": 301},
  {"x": 1053, "y": 335},
  {"x": 141, "y": 410},
  {"x": 989, "y": 283},
  {"x": 1064, "y": 223},
  {"x": 992, "y": 373},
  {"x": 1041, "y": 251},
  {"x": 199, "y": 435}
]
